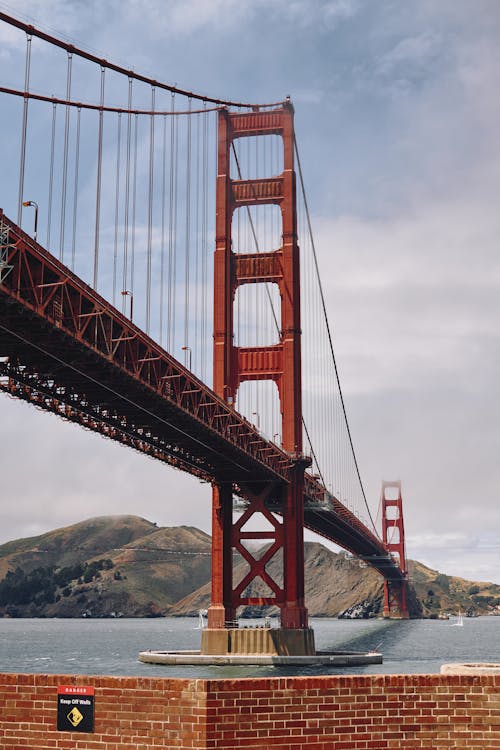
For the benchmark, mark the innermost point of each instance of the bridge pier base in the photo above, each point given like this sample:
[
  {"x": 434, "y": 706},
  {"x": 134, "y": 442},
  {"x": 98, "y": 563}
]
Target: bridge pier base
[
  {"x": 258, "y": 641},
  {"x": 395, "y": 600}
]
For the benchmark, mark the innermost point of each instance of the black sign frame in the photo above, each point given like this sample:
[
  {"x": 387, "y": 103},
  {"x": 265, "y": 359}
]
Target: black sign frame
[{"x": 75, "y": 708}]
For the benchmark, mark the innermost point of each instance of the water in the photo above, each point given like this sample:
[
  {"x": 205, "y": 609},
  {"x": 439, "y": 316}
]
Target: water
[{"x": 111, "y": 646}]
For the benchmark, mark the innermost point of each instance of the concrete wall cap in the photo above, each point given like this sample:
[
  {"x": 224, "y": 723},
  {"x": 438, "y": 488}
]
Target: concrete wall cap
[{"x": 476, "y": 668}]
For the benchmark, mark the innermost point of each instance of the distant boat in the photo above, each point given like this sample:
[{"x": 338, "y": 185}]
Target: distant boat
[
  {"x": 460, "y": 621},
  {"x": 202, "y": 613}
]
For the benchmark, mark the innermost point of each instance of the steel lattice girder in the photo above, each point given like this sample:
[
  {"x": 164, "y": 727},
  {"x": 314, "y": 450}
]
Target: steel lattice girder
[{"x": 62, "y": 330}]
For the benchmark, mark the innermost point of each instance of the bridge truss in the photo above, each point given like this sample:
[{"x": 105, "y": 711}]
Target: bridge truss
[{"x": 65, "y": 348}]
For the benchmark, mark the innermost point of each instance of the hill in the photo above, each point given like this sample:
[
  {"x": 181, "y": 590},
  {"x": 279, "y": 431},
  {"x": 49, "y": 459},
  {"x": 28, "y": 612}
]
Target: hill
[
  {"x": 442, "y": 593},
  {"x": 127, "y": 566},
  {"x": 102, "y": 567}
]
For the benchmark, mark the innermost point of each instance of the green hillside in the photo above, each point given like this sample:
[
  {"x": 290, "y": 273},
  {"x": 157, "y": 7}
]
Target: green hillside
[
  {"x": 440, "y": 593},
  {"x": 105, "y": 566},
  {"x": 127, "y": 566}
]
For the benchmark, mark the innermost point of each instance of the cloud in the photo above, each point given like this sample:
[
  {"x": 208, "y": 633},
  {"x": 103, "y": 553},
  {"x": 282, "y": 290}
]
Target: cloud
[
  {"x": 411, "y": 57},
  {"x": 75, "y": 474},
  {"x": 455, "y": 553},
  {"x": 400, "y": 145},
  {"x": 416, "y": 295},
  {"x": 187, "y": 17},
  {"x": 10, "y": 38}
]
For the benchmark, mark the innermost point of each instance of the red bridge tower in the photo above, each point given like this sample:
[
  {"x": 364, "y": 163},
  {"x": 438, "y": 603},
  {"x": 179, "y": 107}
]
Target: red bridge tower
[
  {"x": 280, "y": 363},
  {"x": 395, "y": 590}
]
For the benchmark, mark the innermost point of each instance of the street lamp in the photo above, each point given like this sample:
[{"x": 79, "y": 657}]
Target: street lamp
[
  {"x": 35, "y": 206},
  {"x": 188, "y": 350},
  {"x": 126, "y": 293}
]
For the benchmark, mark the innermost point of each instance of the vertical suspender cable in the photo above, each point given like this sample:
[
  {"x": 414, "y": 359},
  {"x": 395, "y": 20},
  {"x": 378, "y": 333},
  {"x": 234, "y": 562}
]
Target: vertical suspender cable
[
  {"x": 65, "y": 159},
  {"x": 204, "y": 245},
  {"x": 171, "y": 228},
  {"x": 163, "y": 206},
  {"x": 187, "y": 231},
  {"x": 127, "y": 197},
  {"x": 117, "y": 202},
  {"x": 75, "y": 187},
  {"x": 173, "y": 300},
  {"x": 24, "y": 129},
  {"x": 150, "y": 210},
  {"x": 98, "y": 187},
  {"x": 134, "y": 208},
  {"x": 197, "y": 250},
  {"x": 51, "y": 173}
]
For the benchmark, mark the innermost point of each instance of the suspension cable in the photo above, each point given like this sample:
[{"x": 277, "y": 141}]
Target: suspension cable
[
  {"x": 163, "y": 207},
  {"x": 197, "y": 247},
  {"x": 104, "y": 108},
  {"x": 127, "y": 197},
  {"x": 171, "y": 229},
  {"x": 330, "y": 340},
  {"x": 75, "y": 188},
  {"x": 150, "y": 212},
  {"x": 134, "y": 214},
  {"x": 31, "y": 30},
  {"x": 51, "y": 173},
  {"x": 117, "y": 203},
  {"x": 65, "y": 160},
  {"x": 98, "y": 188},
  {"x": 187, "y": 241},
  {"x": 204, "y": 241},
  {"x": 24, "y": 129}
]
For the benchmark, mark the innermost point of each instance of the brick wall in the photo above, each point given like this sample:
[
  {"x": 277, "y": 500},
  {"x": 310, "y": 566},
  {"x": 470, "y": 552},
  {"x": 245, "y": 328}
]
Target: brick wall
[
  {"x": 428, "y": 712},
  {"x": 131, "y": 713},
  {"x": 355, "y": 713}
]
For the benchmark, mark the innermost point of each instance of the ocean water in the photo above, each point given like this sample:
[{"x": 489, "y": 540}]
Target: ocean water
[{"x": 87, "y": 646}]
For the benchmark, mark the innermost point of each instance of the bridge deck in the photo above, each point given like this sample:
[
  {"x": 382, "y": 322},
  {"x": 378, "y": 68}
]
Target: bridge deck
[{"x": 67, "y": 350}]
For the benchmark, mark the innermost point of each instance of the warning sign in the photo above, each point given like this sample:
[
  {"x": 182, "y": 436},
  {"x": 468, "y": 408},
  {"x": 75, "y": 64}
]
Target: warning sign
[
  {"x": 75, "y": 708},
  {"x": 75, "y": 716}
]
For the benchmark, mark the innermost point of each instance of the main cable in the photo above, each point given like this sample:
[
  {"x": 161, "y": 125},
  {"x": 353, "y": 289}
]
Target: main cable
[
  {"x": 32, "y": 30},
  {"x": 330, "y": 340}
]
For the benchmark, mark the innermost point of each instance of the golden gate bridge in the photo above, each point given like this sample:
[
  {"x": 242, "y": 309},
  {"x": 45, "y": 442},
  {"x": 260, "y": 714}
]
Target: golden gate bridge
[{"x": 140, "y": 209}]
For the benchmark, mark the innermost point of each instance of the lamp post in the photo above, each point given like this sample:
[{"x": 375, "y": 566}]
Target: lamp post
[
  {"x": 35, "y": 206},
  {"x": 188, "y": 356},
  {"x": 126, "y": 293}
]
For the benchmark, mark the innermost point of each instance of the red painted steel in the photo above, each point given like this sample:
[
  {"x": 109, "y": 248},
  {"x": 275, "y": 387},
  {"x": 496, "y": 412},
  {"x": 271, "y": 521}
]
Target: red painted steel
[
  {"x": 395, "y": 590},
  {"x": 66, "y": 344},
  {"x": 65, "y": 349},
  {"x": 127, "y": 72},
  {"x": 280, "y": 363}
]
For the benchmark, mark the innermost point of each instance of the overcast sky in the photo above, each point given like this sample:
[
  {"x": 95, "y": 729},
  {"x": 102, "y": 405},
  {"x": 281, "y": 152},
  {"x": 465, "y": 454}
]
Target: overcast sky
[{"x": 397, "y": 118}]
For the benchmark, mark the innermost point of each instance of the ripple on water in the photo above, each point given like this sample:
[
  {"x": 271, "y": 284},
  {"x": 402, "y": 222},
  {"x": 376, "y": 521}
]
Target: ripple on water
[{"x": 111, "y": 646}]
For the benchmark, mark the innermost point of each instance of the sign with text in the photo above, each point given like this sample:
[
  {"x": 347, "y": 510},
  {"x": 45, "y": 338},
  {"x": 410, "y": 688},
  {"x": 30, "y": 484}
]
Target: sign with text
[{"x": 75, "y": 708}]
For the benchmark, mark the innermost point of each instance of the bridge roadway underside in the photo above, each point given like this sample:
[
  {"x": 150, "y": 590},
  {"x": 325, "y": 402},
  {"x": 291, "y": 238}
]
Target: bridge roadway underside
[
  {"x": 59, "y": 373},
  {"x": 73, "y": 354},
  {"x": 339, "y": 525}
]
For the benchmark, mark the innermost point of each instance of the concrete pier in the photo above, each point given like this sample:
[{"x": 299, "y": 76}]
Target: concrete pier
[
  {"x": 193, "y": 658},
  {"x": 259, "y": 646},
  {"x": 261, "y": 641}
]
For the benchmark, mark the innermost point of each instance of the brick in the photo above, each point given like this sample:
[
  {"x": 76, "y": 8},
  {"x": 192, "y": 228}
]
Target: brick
[{"x": 359, "y": 712}]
